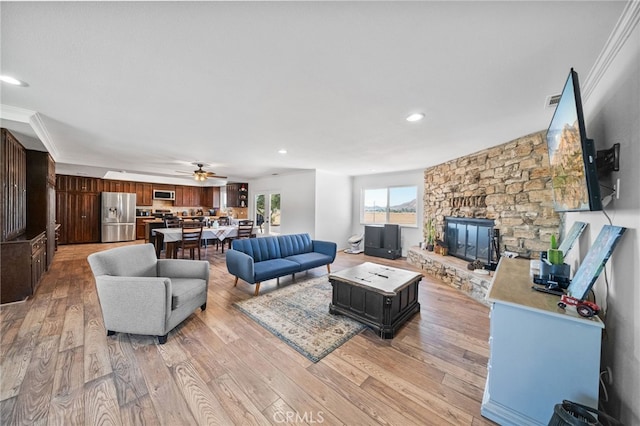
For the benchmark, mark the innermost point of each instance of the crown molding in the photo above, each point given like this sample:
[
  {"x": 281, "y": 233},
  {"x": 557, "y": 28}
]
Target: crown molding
[
  {"x": 43, "y": 134},
  {"x": 34, "y": 119},
  {"x": 21, "y": 115},
  {"x": 621, "y": 32}
]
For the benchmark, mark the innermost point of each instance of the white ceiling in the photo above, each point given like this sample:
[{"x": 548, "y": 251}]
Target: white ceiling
[{"x": 150, "y": 87}]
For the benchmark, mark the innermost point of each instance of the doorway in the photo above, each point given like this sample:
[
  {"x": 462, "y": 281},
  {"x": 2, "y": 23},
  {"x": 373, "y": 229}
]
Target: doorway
[{"x": 267, "y": 213}]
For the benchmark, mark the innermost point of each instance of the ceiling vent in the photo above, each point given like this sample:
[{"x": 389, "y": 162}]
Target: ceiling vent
[{"x": 552, "y": 101}]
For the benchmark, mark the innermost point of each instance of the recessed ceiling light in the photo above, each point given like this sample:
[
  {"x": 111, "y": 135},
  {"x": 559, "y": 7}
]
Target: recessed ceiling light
[
  {"x": 415, "y": 117},
  {"x": 11, "y": 80},
  {"x": 282, "y": 151}
]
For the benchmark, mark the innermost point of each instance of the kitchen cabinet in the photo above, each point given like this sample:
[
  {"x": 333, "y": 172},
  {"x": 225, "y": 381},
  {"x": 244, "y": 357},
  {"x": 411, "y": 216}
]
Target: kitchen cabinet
[
  {"x": 78, "y": 184},
  {"x": 144, "y": 194},
  {"x": 82, "y": 220},
  {"x": 61, "y": 215},
  {"x": 24, "y": 261},
  {"x": 539, "y": 354},
  {"x": 187, "y": 196},
  {"x": 13, "y": 162},
  {"x": 211, "y": 197},
  {"x": 41, "y": 198},
  {"x": 78, "y": 208},
  {"x": 118, "y": 186},
  {"x": 140, "y": 228},
  {"x": 237, "y": 195}
]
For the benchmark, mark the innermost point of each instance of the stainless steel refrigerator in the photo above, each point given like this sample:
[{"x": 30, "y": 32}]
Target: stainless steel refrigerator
[{"x": 118, "y": 217}]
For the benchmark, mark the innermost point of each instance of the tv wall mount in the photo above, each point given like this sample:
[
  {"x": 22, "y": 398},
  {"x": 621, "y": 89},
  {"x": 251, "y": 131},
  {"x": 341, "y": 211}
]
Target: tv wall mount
[{"x": 608, "y": 160}]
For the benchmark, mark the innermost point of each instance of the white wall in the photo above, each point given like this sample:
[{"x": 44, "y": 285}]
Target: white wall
[
  {"x": 333, "y": 207},
  {"x": 411, "y": 236},
  {"x": 612, "y": 113},
  {"x": 297, "y": 200}
]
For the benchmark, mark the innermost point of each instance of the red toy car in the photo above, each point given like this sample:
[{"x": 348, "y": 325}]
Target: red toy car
[{"x": 584, "y": 307}]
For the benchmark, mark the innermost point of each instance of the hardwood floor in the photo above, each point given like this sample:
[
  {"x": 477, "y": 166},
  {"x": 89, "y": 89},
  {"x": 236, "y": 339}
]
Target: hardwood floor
[{"x": 219, "y": 367}]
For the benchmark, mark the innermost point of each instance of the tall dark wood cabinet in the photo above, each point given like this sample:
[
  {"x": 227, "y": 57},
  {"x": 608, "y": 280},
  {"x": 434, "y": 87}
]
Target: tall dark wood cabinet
[
  {"x": 83, "y": 217},
  {"x": 13, "y": 161},
  {"x": 28, "y": 218},
  {"x": 78, "y": 208},
  {"x": 41, "y": 201}
]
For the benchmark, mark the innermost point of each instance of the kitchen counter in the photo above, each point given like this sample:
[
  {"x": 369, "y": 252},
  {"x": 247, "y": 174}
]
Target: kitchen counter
[{"x": 151, "y": 218}]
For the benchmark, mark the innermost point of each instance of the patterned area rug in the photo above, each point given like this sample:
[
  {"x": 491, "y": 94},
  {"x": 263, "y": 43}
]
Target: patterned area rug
[{"x": 299, "y": 315}]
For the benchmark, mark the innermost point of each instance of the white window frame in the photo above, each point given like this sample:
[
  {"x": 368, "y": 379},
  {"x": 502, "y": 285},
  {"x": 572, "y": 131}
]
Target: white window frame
[{"x": 387, "y": 212}]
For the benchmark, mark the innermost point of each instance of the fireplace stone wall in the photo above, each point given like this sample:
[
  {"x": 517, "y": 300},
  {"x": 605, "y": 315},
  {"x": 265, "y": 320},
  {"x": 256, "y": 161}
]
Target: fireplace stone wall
[{"x": 509, "y": 183}]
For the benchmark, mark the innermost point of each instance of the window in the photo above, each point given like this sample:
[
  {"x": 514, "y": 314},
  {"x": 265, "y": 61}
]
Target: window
[{"x": 395, "y": 204}]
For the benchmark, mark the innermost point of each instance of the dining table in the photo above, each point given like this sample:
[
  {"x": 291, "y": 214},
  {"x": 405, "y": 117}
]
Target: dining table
[{"x": 171, "y": 237}]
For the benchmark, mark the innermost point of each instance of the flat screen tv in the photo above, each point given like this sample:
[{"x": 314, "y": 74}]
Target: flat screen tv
[{"x": 572, "y": 156}]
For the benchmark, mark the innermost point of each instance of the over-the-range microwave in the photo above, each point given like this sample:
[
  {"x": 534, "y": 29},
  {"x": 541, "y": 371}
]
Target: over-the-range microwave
[{"x": 159, "y": 194}]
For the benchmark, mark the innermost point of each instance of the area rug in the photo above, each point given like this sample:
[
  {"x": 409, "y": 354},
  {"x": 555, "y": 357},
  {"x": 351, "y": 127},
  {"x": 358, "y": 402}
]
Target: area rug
[{"x": 299, "y": 315}]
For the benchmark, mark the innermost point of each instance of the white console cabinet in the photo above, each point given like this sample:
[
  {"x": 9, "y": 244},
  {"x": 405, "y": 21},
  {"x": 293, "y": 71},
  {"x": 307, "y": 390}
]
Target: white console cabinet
[{"x": 539, "y": 353}]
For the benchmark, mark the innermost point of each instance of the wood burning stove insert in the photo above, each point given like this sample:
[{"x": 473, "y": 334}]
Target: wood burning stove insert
[{"x": 469, "y": 238}]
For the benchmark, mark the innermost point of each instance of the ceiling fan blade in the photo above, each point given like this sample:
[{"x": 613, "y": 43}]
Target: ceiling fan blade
[{"x": 213, "y": 175}]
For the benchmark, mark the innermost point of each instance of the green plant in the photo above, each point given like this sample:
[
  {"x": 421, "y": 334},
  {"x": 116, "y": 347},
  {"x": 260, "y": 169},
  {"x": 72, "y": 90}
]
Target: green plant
[
  {"x": 430, "y": 231},
  {"x": 555, "y": 256}
]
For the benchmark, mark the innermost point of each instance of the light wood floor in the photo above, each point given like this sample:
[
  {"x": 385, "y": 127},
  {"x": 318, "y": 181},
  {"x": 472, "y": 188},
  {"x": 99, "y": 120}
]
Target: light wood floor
[{"x": 58, "y": 367}]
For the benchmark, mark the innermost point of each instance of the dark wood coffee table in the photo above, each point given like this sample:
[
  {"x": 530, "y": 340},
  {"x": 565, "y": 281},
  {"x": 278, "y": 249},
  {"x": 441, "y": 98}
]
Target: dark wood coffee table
[{"x": 379, "y": 296}]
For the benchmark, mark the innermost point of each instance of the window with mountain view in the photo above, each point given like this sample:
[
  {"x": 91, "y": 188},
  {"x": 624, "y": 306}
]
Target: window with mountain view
[{"x": 395, "y": 204}]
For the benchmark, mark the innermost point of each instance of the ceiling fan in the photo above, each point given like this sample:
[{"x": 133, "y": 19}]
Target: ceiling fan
[{"x": 201, "y": 175}]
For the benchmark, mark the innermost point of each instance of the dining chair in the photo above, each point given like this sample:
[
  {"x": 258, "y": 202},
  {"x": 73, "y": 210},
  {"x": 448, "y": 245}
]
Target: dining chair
[
  {"x": 191, "y": 240},
  {"x": 223, "y": 221},
  {"x": 245, "y": 229},
  {"x": 191, "y": 224},
  {"x": 172, "y": 222}
]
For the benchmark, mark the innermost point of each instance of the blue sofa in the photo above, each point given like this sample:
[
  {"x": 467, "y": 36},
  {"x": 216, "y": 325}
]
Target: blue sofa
[{"x": 260, "y": 259}]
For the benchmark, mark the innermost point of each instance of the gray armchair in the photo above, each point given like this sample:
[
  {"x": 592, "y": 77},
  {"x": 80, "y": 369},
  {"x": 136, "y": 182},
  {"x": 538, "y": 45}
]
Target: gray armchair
[{"x": 141, "y": 294}]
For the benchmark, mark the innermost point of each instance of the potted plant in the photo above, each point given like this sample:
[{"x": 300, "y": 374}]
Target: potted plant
[
  {"x": 430, "y": 233},
  {"x": 555, "y": 267},
  {"x": 555, "y": 256}
]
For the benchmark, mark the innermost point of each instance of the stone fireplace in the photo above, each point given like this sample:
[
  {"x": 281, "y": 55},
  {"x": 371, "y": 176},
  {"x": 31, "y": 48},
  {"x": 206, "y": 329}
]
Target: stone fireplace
[
  {"x": 508, "y": 185},
  {"x": 469, "y": 239}
]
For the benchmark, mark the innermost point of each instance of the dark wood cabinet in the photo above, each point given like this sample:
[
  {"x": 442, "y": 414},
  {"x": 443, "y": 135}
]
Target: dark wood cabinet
[
  {"x": 118, "y": 186},
  {"x": 187, "y": 196},
  {"x": 41, "y": 198},
  {"x": 13, "y": 162},
  {"x": 83, "y": 217},
  {"x": 144, "y": 194},
  {"x": 237, "y": 195},
  {"x": 28, "y": 218},
  {"x": 24, "y": 260},
  {"x": 78, "y": 184},
  {"x": 140, "y": 228},
  {"x": 61, "y": 214},
  {"x": 211, "y": 197}
]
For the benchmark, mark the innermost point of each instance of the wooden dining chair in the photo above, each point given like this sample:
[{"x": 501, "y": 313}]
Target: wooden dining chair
[
  {"x": 245, "y": 229},
  {"x": 191, "y": 240},
  {"x": 172, "y": 222}
]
